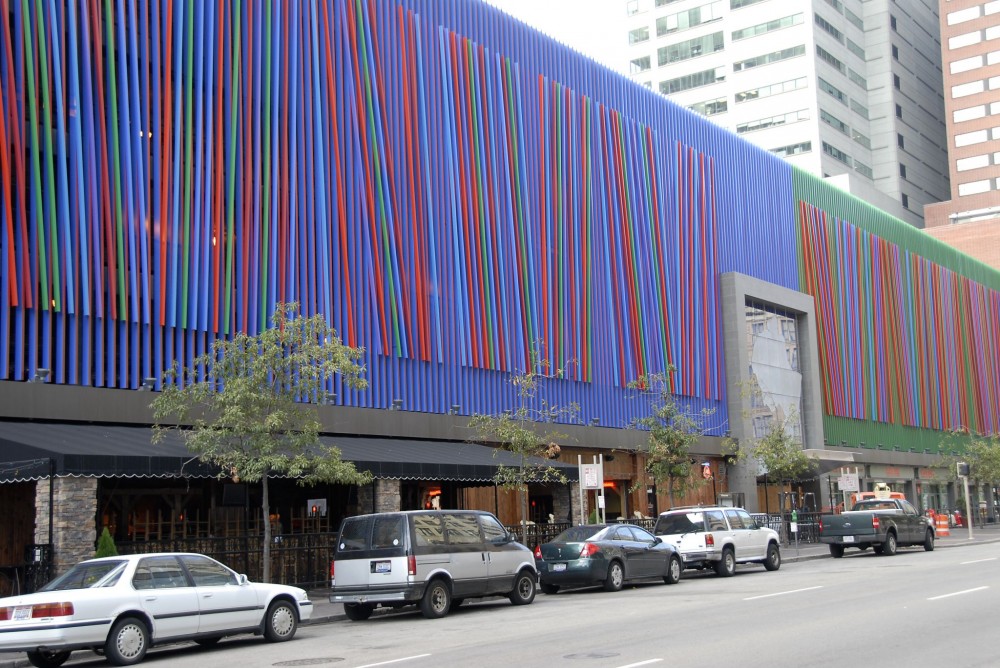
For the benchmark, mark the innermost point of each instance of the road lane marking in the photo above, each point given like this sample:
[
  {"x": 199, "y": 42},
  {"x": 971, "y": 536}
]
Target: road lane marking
[
  {"x": 386, "y": 663},
  {"x": 641, "y": 663},
  {"x": 956, "y": 593},
  {"x": 978, "y": 561},
  {"x": 782, "y": 593}
]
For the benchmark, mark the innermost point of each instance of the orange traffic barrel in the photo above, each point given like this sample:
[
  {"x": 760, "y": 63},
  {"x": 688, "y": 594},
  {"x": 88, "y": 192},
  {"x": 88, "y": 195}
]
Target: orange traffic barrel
[{"x": 942, "y": 525}]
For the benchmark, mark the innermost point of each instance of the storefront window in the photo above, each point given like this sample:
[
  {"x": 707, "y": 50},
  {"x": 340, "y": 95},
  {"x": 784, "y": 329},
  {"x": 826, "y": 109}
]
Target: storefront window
[{"x": 775, "y": 378}]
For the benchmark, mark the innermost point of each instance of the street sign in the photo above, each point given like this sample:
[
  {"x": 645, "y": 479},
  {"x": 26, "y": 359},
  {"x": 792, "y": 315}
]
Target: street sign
[
  {"x": 848, "y": 482},
  {"x": 591, "y": 476}
]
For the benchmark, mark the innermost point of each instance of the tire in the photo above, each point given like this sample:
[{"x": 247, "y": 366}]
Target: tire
[
  {"x": 211, "y": 641},
  {"x": 726, "y": 567},
  {"x": 549, "y": 589},
  {"x": 47, "y": 659},
  {"x": 523, "y": 592},
  {"x": 929, "y": 541},
  {"x": 836, "y": 551},
  {"x": 890, "y": 546},
  {"x": 772, "y": 561},
  {"x": 615, "y": 578},
  {"x": 127, "y": 643},
  {"x": 674, "y": 568},
  {"x": 281, "y": 622},
  {"x": 436, "y": 601},
  {"x": 358, "y": 612}
]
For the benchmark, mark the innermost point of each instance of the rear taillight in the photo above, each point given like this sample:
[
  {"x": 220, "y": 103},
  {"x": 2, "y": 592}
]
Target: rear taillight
[
  {"x": 589, "y": 550},
  {"x": 709, "y": 540},
  {"x": 875, "y": 523},
  {"x": 538, "y": 552},
  {"x": 411, "y": 565},
  {"x": 52, "y": 610},
  {"x": 333, "y": 578},
  {"x": 821, "y": 525},
  {"x": 4, "y": 614}
]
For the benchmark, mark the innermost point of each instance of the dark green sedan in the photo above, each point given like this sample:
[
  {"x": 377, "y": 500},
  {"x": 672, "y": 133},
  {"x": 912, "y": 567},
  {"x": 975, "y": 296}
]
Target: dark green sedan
[{"x": 605, "y": 554}]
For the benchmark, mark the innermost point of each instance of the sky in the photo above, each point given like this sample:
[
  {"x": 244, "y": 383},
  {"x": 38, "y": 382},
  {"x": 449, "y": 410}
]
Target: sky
[{"x": 593, "y": 27}]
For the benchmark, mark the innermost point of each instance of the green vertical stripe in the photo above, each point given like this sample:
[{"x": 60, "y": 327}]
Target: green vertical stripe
[
  {"x": 231, "y": 163},
  {"x": 113, "y": 97},
  {"x": 188, "y": 160},
  {"x": 50, "y": 174}
]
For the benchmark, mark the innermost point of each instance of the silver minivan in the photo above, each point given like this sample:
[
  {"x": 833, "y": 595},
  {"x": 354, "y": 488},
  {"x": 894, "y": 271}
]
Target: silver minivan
[{"x": 433, "y": 558}]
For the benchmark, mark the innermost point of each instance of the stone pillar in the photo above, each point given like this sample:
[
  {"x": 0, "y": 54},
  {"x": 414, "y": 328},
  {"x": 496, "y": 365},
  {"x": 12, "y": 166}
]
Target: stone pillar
[
  {"x": 366, "y": 498},
  {"x": 387, "y": 495},
  {"x": 565, "y": 502},
  {"x": 74, "y": 533}
]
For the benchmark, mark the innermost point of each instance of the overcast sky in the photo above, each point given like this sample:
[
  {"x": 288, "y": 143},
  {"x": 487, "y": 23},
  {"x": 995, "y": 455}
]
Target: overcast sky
[{"x": 593, "y": 27}]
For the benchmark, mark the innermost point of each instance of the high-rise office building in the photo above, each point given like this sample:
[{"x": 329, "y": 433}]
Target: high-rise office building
[
  {"x": 970, "y": 54},
  {"x": 846, "y": 89}
]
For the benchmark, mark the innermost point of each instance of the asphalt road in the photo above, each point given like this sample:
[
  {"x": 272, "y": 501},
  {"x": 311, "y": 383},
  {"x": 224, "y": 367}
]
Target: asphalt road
[{"x": 915, "y": 609}]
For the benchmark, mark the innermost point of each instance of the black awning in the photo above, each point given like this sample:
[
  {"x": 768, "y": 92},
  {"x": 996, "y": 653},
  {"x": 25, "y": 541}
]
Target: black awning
[{"x": 28, "y": 448}]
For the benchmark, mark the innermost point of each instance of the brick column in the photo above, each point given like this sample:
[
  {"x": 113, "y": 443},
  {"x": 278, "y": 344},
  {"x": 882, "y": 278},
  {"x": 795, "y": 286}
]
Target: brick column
[
  {"x": 387, "y": 495},
  {"x": 74, "y": 531}
]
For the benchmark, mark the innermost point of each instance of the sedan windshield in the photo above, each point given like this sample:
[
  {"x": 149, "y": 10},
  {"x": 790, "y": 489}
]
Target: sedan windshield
[
  {"x": 580, "y": 534},
  {"x": 88, "y": 575}
]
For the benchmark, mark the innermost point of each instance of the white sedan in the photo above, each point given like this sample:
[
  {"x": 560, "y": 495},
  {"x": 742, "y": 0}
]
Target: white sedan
[{"x": 120, "y": 606}]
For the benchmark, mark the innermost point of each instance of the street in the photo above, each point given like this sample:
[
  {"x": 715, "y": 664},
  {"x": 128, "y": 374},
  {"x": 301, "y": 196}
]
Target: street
[{"x": 915, "y": 608}]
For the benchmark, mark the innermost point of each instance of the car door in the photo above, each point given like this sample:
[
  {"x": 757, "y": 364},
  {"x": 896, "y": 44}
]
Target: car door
[
  {"x": 913, "y": 522},
  {"x": 741, "y": 539},
  {"x": 468, "y": 555},
  {"x": 645, "y": 551},
  {"x": 167, "y": 596},
  {"x": 756, "y": 538},
  {"x": 223, "y": 603},
  {"x": 503, "y": 556}
]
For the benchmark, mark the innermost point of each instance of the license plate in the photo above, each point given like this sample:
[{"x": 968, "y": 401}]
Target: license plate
[
  {"x": 848, "y": 539},
  {"x": 21, "y": 614},
  {"x": 558, "y": 567},
  {"x": 382, "y": 567}
]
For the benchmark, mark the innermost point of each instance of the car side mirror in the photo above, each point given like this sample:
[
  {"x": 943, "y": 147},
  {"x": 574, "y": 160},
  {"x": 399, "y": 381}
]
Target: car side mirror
[
  {"x": 657, "y": 540},
  {"x": 243, "y": 580}
]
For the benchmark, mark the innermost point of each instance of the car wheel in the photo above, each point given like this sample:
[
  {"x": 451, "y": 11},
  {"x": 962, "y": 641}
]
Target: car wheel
[
  {"x": 726, "y": 567},
  {"x": 929, "y": 541},
  {"x": 127, "y": 643},
  {"x": 436, "y": 601},
  {"x": 836, "y": 551},
  {"x": 674, "y": 569},
  {"x": 281, "y": 622},
  {"x": 878, "y": 549},
  {"x": 44, "y": 658},
  {"x": 357, "y": 612},
  {"x": 549, "y": 588},
  {"x": 211, "y": 641},
  {"x": 524, "y": 589},
  {"x": 773, "y": 560},
  {"x": 890, "y": 545},
  {"x": 615, "y": 578}
]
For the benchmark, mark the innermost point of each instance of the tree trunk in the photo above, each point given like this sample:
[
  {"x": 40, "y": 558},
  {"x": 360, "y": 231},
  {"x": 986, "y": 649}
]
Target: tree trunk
[{"x": 266, "y": 507}]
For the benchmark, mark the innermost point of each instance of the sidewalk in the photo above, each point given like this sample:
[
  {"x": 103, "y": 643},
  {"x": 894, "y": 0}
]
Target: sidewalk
[{"x": 324, "y": 611}]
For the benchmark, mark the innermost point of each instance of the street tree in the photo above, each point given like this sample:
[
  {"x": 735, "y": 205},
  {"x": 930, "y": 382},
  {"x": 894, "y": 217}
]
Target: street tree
[
  {"x": 525, "y": 432},
  {"x": 246, "y": 405},
  {"x": 673, "y": 430},
  {"x": 982, "y": 454}
]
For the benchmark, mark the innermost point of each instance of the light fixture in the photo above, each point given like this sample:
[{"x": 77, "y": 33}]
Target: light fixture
[
  {"x": 455, "y": 408},
  {"x": 594, "y": 421},
  {"x": 148, "y": 384},
  {"x": 41, "y": 375},
  {"x": 397, "y": 404}
]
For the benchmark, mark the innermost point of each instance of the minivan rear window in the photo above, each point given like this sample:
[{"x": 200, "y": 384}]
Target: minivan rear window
[
  {"x": 354, "y": 534},
  {"x": 427, "y": 530},
  {"x": 680, "y": 523},
  {"x": 389, "y": 531}
]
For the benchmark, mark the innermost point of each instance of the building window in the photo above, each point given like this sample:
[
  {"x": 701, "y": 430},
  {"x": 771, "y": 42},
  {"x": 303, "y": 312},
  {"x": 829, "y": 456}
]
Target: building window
[
  {"x": 834, "y": 122},
  {"x": 855, "y": 49},
  {"x": 639, "y": 65},
  {"x": 966, "y": 39},
  {"x": 773, "y": 121},
  {"x": 737, "y": 4},
  {"x": 792, "y": 149},
  {"x": 830, "y": 59},
  {"x": 899, "y": 111},
  {"x": 632, "y": 8},
  {"x": 827, "y": 87},
  {"x": 902, "y": 171},
  {"x": 829, "y": 28},
  {"x": 773, "y": 89},
  {"x": 837, "y": 154},
  {"x": 974, "y": 187},
  {"x": 895, "y": 52},
  {"x": 638, "y": 35},
  {"x": 764, "y": 28},
  {"x": 892, "y": 22},
  {"x": 860, "y": 109},
  {"x": 695, "y": 80},
  {"x": 906, "y": 200},
  {"x": 966, "y": 89},
  {"x": 690, "y": 18},
  {"x": 858, "y": 79},
  {"x": 768, "y": 58},
  {"x": 966, "y": 64},
  {"x": 710, "y": 107},
  {"x": 854, "y": 19},
  {"x": 963, "y": 15},
  {"x": 836, "y": 4},
  {"x": 975, "y": 162},
  {"x": 691, "y": 48},
  {"x": 863, "y": 169},
  {"x": 896, "y": 83},
  {"x": 899, "y": 141},
  {"x": 861, "y": 139},
  {"x": 969, "y": 138},
  {"x": 969, "y": 113}
]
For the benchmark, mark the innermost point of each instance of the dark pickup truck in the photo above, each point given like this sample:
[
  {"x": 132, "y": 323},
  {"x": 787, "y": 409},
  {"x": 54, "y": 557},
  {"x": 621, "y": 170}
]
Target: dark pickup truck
[{"x": 881, "y": 524}]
